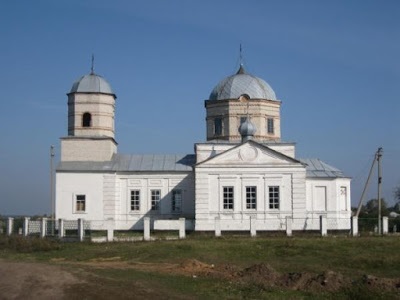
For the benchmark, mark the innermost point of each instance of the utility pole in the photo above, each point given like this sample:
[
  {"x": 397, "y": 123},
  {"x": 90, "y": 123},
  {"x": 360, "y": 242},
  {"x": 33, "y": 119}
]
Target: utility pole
[
  {"x": 52, "y": 187},
  {"x": 378, "y": 158}
]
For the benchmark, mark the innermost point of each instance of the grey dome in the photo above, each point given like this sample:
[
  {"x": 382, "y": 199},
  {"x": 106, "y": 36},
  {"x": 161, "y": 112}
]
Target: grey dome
[
  {"x": 91, "y": 83},
  {"x": 241, "y": 83}
]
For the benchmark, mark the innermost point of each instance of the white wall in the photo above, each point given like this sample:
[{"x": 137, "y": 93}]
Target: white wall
[
  {"x": 70, "y": 184},
  {"x": 335, "y": 204}
]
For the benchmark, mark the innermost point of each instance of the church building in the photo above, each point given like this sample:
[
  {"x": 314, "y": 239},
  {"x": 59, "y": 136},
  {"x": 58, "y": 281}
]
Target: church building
[{"x": 243, "y": 171}]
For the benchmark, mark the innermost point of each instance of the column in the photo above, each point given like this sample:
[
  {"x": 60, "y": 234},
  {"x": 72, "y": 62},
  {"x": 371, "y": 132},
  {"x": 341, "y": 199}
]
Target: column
[
  {"x": 61, "y": 232},
  {"x": 253, "y": 229},
  {"x": 26, "y": 226},
  {"x": 81, "y": 230},
  {"x": 146, "y": 229},
  {"x": 217, "y": 227},
  {"x": 385, "y": 225},
  {"x": 43, "y": 227},
  {"x": 354, "y": 226},
  {"x": 289, "y": 225},
  {"x": 182, "y": 229},
  {"x": 323, "y": 225},
  {"x": 10, "y": 225}
]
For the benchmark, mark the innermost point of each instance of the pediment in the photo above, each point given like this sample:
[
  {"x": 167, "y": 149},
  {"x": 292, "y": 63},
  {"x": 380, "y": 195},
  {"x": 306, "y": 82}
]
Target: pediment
[{"x": 250, "y": 153}]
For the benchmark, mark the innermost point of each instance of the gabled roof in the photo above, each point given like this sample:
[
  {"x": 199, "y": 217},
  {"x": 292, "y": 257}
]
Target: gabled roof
[
  {"x": 257, "y": 145},
  {"x": 134, "y": 163},
  {"x": 316, "y": 168}
]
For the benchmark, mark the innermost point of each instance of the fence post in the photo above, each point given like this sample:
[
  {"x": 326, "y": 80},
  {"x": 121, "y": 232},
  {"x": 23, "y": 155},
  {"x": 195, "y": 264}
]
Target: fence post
[
  {"x": 289, "y": 223},
  {"x": 10, "y": 225},
  {"x": 146, "y": 229},
  {"x": 43, "y": 227},
  {"x": 253, "y": 229},
  {"x": 61, "y": 232},
  {"x": 217, "y": 227},
  {"x": 385, "y": 225},
  {"x": 81, "y": 230},
  {"x": 26, "y": 226},
  {"x": 323, "y": 225},
  {"x": 182, "y": 229},
  {"x": 110, "y": 230},
  {"x": 354, "y": 226}
]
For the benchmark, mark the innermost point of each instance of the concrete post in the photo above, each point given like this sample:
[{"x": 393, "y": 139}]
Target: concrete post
[
  {"x": 385, "y": 225},
  {"x": 253, "y": 229},
  {"x": 217, "y": 227},
  {"x": 354, "y": 226},
  {"x": 26, "y": 226},
  {"x": 323, "y": 225},
  {"x": 43, "y": 227},
  {"x": 61, "y": 232},
  {"x": 81, "y": 230},
  {"x": 110, "y": 230},
  {"x": 146, "y": 229},
  {"x": 289, "y": 225},
  {"x": 10, "y": 225},
  {"x": 182, "y": 229}
]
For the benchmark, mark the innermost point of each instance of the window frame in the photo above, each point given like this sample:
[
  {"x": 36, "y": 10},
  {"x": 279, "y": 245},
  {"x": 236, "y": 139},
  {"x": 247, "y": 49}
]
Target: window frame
[
  {"x": 134, "y": 203},
  {"x": 176, "y": 204},
  {"x": 251, "y": 197},
  {"x": 80, "y": 202},
  {"x": 218, "y": 128},
  {"x": 155, "y": 198},
  {"x": 270, "y": 126},
  {"x": 87, "y": 120},
  {"x": 274, "y": 197},
  {"x": 228, "y": 198}
]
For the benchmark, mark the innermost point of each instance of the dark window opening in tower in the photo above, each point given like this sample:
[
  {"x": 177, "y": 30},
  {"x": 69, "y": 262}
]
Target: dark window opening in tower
[
  {"x": 87, "y": 120},
  {"x": 270, "y": 126},
  {"x": 218, "y": 126}
]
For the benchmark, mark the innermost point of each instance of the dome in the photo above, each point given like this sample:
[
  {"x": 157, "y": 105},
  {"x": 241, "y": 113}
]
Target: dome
[
  {"x": 241, "y": 83},
  {"x": 91, "y": 83}
]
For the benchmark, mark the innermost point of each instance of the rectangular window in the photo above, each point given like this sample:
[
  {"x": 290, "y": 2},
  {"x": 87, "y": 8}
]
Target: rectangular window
[
  {"x": 218, "y": 126},
  {"x": 274, "y": 197},
  {"x": 80, "y": 203},
  {"x": 135, "y": 200},
  {"x": 228, "y": 197},
  {"x": 343, "y": 198},
  {"x": 176, "y": 200},
  {"x": 155, "y": 199},
  {"x": 251, "y": 197},
  {"x": 270, "y": 126}
]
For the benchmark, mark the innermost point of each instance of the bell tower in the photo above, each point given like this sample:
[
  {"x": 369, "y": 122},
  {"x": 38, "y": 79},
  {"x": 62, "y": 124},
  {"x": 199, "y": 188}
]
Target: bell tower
[{"x": 91, "y": 110}]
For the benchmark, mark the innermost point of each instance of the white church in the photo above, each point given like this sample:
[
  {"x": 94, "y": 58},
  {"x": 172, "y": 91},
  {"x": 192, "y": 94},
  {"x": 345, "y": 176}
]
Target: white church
[{"x": 243, "y": 171}]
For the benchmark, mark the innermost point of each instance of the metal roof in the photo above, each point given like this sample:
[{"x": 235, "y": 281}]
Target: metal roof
[
  {"x": 91, "y": 83},
  {"x": 316, "y": 168},
  {"x": 134, "y": 163},
  {"x": 241, "y": 83}
]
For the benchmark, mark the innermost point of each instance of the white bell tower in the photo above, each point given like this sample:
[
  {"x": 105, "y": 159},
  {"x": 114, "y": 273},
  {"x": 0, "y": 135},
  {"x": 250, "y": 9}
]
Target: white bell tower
[{"x": 91, "y": 110}]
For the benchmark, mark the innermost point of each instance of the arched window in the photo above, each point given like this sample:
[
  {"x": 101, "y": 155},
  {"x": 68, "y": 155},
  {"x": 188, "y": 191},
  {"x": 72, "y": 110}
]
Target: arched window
[{"x": 87, "y": 120}]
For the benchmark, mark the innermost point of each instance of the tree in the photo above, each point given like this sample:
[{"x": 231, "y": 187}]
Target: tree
[
  {"x": 397, "y": 193},
  {"x": 371, "y": 209}
]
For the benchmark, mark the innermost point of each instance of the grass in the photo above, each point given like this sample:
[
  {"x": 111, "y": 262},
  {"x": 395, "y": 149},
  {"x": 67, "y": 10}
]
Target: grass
[{"x": 353, "y": 257}]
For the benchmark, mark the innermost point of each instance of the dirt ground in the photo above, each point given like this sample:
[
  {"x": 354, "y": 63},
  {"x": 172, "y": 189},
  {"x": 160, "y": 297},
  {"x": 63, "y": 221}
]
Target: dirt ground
[{"x": 21, "y": 280}]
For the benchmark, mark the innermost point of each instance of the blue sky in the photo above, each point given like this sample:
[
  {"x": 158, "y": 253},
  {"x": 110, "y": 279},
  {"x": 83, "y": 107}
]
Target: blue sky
[{"x": 334, "y": 64}]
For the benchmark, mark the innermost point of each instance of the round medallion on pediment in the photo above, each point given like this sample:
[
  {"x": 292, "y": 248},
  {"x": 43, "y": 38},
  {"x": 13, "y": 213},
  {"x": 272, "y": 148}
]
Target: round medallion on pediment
[{"x": 248, "y": 154}]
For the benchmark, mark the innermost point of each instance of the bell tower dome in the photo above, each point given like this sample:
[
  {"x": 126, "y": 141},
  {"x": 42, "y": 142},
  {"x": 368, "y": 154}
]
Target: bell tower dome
[
  {"x": 91, "y": 110},
  {"x": 239, "y": 95}
]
